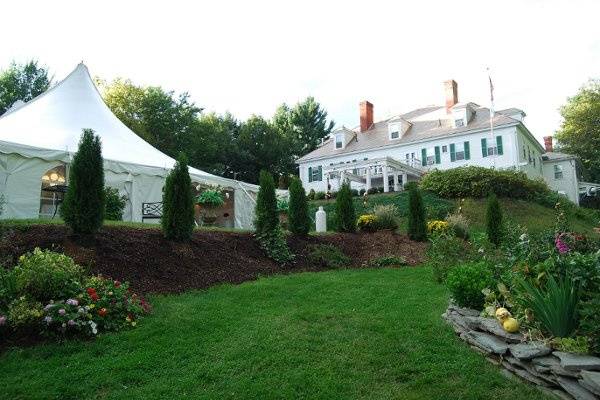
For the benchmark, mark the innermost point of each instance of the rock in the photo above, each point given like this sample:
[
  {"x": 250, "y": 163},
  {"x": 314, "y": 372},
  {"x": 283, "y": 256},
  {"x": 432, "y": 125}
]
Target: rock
[
  {"x": 487, "y": 342},
  {"x": 592, "y": 380},
  {"x": 530, "y": 377},
  {"x": 542, "y": 364},
  {"x": 509, "y": 375},
  {"x": 493, "y": 360},
  {"x": 492, "y": 326},
  {"x": 467, "y": 312},
  {"x": 562, "y": 395},
  {"x": 588, "y": 387},
  {"x": 529, "y": 369},
  {"x": 527, "y": 351},
  {"x": 574, "y": 362},
  {"x": 572, "y": 387}
]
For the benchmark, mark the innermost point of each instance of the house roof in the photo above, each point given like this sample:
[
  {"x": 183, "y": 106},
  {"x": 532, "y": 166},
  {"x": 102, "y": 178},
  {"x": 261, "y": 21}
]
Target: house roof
[
  {"x": 556, "y": 156},
  {"x": 422, "y": 127}
]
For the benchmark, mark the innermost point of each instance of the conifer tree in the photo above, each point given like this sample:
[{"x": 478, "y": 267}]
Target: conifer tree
[
  {"x": 417, "y": 226},
  {"x": 493, "y": 220},
  {"x": 178, "y": 203},
  {"x": 298, "y": 218},
  {"x": 84, "y": 202},
  {"x": 267, "y": 218},
  {"x": 344, "y": 210}
]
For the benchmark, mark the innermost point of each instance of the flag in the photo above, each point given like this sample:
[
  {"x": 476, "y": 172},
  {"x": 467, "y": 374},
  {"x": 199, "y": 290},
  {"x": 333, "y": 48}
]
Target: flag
[{"x": 491, "y": 89}]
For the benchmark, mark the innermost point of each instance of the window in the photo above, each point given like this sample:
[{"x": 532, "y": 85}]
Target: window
[
  {"x": 524, "y": 153},
  {"x": 394, "y": 135},
  {"x": 339, "y": 141},
  {"x": 459, "y": 123},
  {"x": 394, "y": 131},
  {"x": 407, "y": 157},
  {"x": 460, "y": 154},
  {"x": 534, "y": 161},
  {"x": 315, "y": 174},
  {"x": 491, "y": 149},
  {"x": 558, "y": 172},
  {"x": 444, "y": 149}
]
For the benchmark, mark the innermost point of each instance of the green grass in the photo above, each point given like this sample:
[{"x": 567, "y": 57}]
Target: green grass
[{"x": 348, "y": 334}]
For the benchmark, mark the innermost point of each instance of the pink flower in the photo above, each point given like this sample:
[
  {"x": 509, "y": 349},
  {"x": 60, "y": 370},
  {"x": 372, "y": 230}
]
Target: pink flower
[
  {"x": 560, "y": 245},
  {"x": 72, "y": 302},
  {"x": 62, "y": 311},
  {"x": 2, "y": 320},
  {"x": 71, "y": 322}
]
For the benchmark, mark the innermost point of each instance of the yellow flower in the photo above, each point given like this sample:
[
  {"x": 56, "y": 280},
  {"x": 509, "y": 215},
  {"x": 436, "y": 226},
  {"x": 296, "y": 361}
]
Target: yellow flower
[
  {"x": 133, "y": 323},
  {"x": 128, "y": 319},
  {"x": 92, "y": 306}
]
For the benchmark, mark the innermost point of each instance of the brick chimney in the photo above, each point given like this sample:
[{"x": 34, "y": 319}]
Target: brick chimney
[
  {"x": 451, "y": 89},
  {"x": 366, "y": 115},
  {"x": 548, "y": 144}
]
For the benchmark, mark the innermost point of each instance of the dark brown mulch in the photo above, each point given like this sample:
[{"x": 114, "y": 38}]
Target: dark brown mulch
[{"x": 153, "y": 264}]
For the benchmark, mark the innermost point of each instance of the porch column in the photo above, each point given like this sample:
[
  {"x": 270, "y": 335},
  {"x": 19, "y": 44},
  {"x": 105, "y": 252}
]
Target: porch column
[
  {"x": 386, "y": 182},
  {"x": 368, "y": 178},
  {"x": 342, "y": 177},
  {"x": 396, "y": 184},
  {"x": 404, "y": 179}
]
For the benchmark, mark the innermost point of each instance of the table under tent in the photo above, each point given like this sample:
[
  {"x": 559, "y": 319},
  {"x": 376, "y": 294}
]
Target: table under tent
[{"x": 38, "y": 139}]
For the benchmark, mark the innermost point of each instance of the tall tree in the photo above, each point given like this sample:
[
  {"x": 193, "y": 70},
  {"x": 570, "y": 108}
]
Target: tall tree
[
  {"x": 298, "y": 218},
  {"x": 83, "y": 207},
  {"x": 417, "y": 224},
  {"x": 178, "y": 203},
  {"x": 212, "y": 144},
  {"x": 345, "y": 215},
  {"x": 160, "y": 117},
  {"x": 22, "y": 82},
  {"x": 493, "y": 220},
  {"x": 267, "y": 219},
  {"x": 579, "y": 133}
]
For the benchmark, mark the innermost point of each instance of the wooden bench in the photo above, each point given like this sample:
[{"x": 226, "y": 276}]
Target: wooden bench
[{"x": 152, "y": 210}]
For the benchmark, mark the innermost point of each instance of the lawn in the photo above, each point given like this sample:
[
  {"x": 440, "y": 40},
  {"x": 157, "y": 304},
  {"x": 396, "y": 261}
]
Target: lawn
[{"x": 366, "y": 334}]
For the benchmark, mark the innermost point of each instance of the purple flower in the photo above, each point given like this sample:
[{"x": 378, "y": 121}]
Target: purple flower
[
  {"x": 62, "y": 311},
  {"x": 560, "y": 245},
  {"x": 71, "y": 322},
  {"x": 48, "y": 307},
  {"x": 2, "y": 320},
  {"x": 48, "y": 319},
  {"x": 72, "y": 302}
]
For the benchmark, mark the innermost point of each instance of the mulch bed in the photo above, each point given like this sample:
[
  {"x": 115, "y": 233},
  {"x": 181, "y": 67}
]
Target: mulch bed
[{"x": 153, "y": 264}]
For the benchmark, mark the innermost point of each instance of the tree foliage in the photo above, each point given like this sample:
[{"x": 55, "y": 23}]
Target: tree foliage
[
  {"x": 83, "y": 206},
  {"x": 344, "y": 210},
  {"x": 22, "y": 82},
  {"x": 267, "y": 218},
  {"x": 298, "y": 219},
  {"x": 417, "y": 224},
  {"x": 493, "y": 220},
  {"x": 579, "y": 133},
  {"x": 178, "y": 203}
]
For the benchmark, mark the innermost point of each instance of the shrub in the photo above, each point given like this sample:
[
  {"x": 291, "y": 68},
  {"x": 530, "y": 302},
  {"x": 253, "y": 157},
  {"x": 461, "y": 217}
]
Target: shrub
[
  {"x": 361, "y": 192},
  {"x": 275, "y": 245},
  {"x": 367, "y": 223},
  {"x": 386, "y": 216},
  {"x": 437, "y": 227},
  {"x": 590, "y": 322},
  {"x": 178, "y": 203},
  {"x": 354, "y": 192},
  {"x": 298, "y": 218},
  {"x": 387, "y": 261},
  {"x": 478, "y": 182},
  {"x": 84, "y": 203},
  {"x": 372, "y": 190},
  {"x": 320, "y": 196},
  {"x": 417, "y": 230},
  {"x": 466, "y": 283},
  {"x": 554, "y": 306},
  {"x": 115, "y": 204},
  {"x": 577, "y": 344},
  {"x": 311, "y": 194},
  {"x": 459, "y": 225},
  {"x": 344, "y": 210},
  {"x": 211, "y": 197},
  {"x": 493, "y": 219},
  {"x": 328, "y": 256},
  {"x": 44, "y": 275},
  {"x": 8, "y": 287},
  {"x": 24, "y": 314},
  {"x": 445, "y": 253}
]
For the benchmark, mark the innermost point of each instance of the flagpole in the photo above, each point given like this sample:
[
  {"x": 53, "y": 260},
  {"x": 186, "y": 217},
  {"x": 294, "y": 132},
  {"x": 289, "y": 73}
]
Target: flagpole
[{"x": 492, "y": 117}]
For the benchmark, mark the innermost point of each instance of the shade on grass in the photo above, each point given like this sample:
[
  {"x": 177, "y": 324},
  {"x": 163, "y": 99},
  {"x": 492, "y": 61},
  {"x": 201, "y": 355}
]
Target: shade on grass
[{"x": 364, "y": 334}]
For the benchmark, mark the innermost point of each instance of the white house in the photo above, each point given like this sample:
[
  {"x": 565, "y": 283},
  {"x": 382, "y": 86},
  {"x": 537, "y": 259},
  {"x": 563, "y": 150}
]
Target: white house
[{"x": 393, "y": 151}]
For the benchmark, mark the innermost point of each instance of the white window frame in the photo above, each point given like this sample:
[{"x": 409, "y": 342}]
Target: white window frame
[
  {"x": 339, "y": 139},
  {"x": 492, "y": 151},
  {"x": 459, "y": 123},
  {"x": 558, "y": 172}
]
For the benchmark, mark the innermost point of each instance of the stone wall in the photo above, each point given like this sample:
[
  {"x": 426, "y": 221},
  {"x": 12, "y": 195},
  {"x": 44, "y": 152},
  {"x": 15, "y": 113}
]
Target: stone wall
[{"x": 564, "y": 375}]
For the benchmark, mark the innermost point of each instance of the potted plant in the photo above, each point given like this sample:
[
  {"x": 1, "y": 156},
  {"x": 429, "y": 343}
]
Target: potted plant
[
  {"x": 210, "y": 199},
  {"x": 282, "y": 209}
]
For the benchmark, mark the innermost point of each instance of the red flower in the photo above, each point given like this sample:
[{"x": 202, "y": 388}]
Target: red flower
[
  {"x": 102, "y": 312},
  {"x": 91, "y": 291},
  {"x": 117, "y": 284}
]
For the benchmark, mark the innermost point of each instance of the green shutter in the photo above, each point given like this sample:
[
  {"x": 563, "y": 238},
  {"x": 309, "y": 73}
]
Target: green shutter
[
  {"x": 424, "y": 157},
  {"x": 467, "y": 151},
  {"x": 320, "y": 173},
  {"x": 438, "y": 157},
  {"x": 309, "y": 174},
  {"x": 452, "y": 152},
  {"x": 484, "y": 147},
  {"x": 499, "y": 145}
]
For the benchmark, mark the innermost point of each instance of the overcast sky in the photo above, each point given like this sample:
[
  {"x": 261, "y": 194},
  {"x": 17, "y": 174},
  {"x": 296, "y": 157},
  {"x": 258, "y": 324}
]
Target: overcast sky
[{"x": 247, "y": 57}]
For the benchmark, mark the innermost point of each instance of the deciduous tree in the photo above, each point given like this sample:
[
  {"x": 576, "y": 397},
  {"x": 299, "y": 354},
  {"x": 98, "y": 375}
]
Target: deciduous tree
[{"x": 22, "y": 82}]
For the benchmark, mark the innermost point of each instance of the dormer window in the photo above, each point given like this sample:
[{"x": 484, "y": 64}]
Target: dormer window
[
  {"x": 394, "y": 135},
  {"x": 339, "y": 141},
  {"x": 459, "y": 123},
  {"x": 394, "y": 131}
]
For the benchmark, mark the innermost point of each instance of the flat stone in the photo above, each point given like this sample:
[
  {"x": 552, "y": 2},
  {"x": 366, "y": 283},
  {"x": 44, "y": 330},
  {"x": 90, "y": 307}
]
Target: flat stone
[
  {"x": 509, "y": 375},
  {"x": 493, "y": 360},
  {"x": 487, "y": 342},
  {"x": 530, "y": 377},
  {"x": 548, "y": 380},
  {"x": 592, "y": 380},
  {"x": 588, "y": 387},
  {"x": 562, "y": 395},
  {"x": 492, "y": 326},
  {"x": 572, "y": 387},
  {"x": 552, "y": 363},
  {"x": 467, "y": 312},
  {"x": 574, "y": 362},
  {"x": 527, "y": 351}
]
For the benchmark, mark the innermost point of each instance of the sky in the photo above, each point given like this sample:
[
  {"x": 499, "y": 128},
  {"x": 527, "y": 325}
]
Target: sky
[{"x": 248, "y": 57}]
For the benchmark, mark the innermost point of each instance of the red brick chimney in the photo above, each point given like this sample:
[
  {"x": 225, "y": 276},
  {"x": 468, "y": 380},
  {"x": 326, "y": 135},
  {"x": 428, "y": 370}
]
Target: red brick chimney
[
  {"x": 451, "y": 89},
  {"x": 366, "y": 115},
  {"x": 548, "y": 144}
]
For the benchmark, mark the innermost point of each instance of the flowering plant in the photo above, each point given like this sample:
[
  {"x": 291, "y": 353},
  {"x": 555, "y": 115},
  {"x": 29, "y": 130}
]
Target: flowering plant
[
  {"x": 367, "y": 223},
  {"x": 69, "y": 317},
  {"x": 437, "y": 227}
]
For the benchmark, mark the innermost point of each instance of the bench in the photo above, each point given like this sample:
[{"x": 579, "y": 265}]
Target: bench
[{"x": 152, "y": 210}]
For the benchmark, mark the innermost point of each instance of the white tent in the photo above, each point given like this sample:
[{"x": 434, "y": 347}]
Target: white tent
[{"x": 45, "y": 132}]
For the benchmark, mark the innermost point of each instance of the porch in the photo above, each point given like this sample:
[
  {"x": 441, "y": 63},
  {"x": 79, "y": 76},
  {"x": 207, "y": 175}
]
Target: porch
[{"x": 385, "y": 172}]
